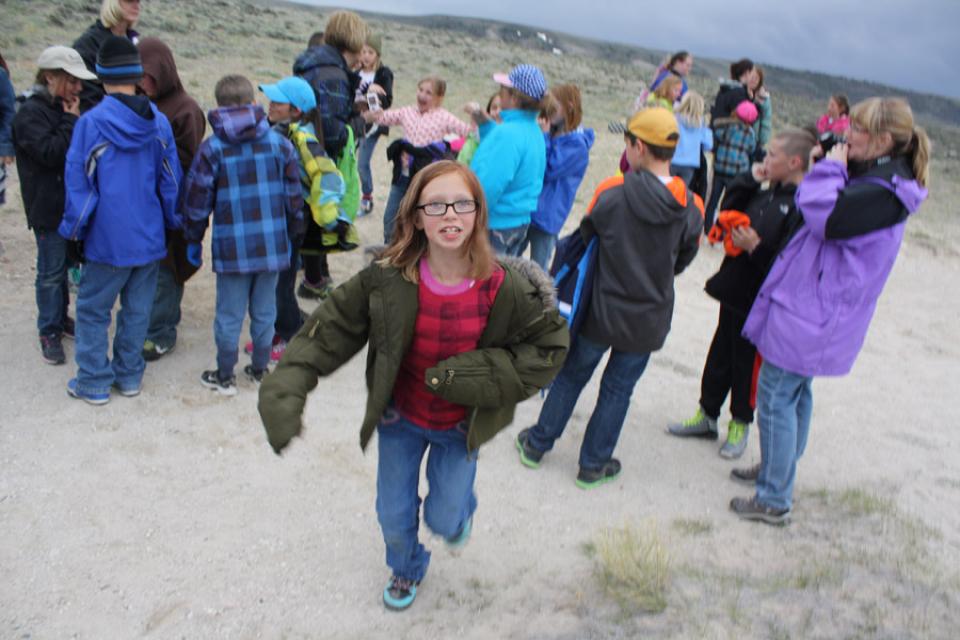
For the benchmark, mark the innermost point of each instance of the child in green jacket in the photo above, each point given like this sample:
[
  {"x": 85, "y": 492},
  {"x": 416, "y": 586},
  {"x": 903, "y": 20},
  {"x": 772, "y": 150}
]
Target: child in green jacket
[{"x": 446, "y": 387}]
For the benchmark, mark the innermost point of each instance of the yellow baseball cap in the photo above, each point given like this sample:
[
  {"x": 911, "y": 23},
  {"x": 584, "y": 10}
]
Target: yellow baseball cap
[{"x": 656, "y": 126}]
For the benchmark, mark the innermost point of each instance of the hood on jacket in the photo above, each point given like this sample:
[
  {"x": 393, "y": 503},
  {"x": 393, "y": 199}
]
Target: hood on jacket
[
  {"x": 124, "y": 127},
  {"x": 577, "y": 139},
  {"x": 651, "y": 200},
  {"x": 158, "y": 63},
  {"x": 245, "y": 123},
  {"x": 529, "y": 269},
  {"x": 322, "y": 56}
]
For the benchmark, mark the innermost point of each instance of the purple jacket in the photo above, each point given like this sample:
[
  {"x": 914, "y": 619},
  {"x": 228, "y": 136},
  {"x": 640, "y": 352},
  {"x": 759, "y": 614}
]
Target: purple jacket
[{"x": 813, "y": 310}]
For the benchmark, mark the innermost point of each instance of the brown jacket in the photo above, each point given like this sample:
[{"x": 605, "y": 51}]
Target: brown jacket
[{"x": 188, "y": 124}]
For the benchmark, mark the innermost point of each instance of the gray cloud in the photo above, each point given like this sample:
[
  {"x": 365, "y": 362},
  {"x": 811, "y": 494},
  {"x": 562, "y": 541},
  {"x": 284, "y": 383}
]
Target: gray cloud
[{"x": 912, "y": 45}]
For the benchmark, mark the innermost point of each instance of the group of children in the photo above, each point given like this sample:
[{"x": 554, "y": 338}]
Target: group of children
[{"x": 458, "y": 329}]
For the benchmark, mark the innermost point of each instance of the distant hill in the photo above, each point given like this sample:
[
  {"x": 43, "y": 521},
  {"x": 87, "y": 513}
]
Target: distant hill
[{"x": 816, "y": 87}]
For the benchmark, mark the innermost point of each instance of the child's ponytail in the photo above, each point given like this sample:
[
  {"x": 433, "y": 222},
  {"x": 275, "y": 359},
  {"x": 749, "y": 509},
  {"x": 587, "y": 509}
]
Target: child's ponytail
[{"x": 919, "y": 149}]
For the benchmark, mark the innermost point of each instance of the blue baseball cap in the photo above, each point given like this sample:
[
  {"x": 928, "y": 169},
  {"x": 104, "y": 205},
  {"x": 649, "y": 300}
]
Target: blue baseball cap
[
  {"x": 292, "y": 90},
  {"x": 526, "y": 79}
]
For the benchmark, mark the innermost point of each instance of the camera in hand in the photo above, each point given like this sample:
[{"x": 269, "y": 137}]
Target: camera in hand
[
  {"x": 373, "y": 101},
  {"x": 828, "y": 140}
]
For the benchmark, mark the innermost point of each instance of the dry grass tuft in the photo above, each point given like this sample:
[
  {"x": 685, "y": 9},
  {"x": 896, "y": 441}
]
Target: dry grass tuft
[{"x": 633, "y": 567}]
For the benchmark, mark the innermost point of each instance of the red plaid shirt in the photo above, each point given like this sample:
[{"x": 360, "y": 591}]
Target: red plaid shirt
[{"x": 450, "y": 321}]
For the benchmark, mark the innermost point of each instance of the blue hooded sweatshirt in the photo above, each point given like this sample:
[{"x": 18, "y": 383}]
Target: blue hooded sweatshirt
[
  {"x": 121, "y": 178},
  {"x": 510, "y": 163},
  {"x": 567, "y": 158}
]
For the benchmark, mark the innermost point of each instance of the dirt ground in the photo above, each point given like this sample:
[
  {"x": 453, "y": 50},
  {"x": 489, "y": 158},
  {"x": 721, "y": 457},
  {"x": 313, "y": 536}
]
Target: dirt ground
[{"x": 168, "y": 515}]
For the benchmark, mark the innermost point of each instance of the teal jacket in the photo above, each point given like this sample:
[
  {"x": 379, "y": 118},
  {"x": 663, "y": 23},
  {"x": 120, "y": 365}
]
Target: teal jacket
[
  {"x": 510, "y": 164},
  {"x": 521, "y": 350}
]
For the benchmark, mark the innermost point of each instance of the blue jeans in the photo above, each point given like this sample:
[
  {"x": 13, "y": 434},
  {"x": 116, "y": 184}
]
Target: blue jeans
[
  {"x": 509, "y": 242},
  {"x": 449, "y": 503},
  {"x": 603, "y": 430},
  {"x": 397, "y": 191},
  {"x": 784, "y": 407},
  {"x": 234, "y": 291},
  {"x": 51, "y": 284},
  {"x": 367, "y": 145},
  {"x": 541, "y": 246},
  {"x": 165, "y": 315},
  {"x": 289, "y": 316},
  {"x": 99, "y": 287}
]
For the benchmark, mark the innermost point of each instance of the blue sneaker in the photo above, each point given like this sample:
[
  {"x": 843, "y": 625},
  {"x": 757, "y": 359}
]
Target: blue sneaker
[
  {"x": 128, "y": 392},
  {"x": 459, "y": 540},
  {"x": 89, "y": 398},
  {"x": 400, "y": 593}
]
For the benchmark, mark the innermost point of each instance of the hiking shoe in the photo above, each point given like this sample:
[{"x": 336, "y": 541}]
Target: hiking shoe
[
  {"x": 746, "y": 475},
  {"x": 128, "y": 392},
  {"x": 51, "y": 350},
  {"x": 459, "y": 540},
  {"x": 90, "y": 398},
  {"x": 529, "y": 456},
  {"x": 699, "y": 426},
  {"x": 315, "y": 291},
  {"x": 400, "y": 593},
  {"x": 69, "y": 328},
  {"x": 592, "y": 478},
  {"x": 276, "y": 351},
  {"x": 211, "y": 380},
  {"x": 736, "y": 443},
  {"x": 254, "y": 375},
  {"x": 751, "y": 509},
  {"x": 153, "y": 351}
]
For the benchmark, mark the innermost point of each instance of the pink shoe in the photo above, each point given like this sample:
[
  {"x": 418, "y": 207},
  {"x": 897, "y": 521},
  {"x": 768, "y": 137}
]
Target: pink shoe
[{"x": 276, "y": 352}]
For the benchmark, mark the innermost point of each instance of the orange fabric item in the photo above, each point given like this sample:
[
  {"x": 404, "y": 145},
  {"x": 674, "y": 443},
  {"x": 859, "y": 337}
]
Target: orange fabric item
[
  {"x": 727, "y": 221},
  {"x": 608, "y": 183}
]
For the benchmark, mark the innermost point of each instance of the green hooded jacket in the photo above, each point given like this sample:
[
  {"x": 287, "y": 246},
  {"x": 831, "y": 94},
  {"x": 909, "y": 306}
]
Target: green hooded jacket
[{"x": 520, "y": 351}]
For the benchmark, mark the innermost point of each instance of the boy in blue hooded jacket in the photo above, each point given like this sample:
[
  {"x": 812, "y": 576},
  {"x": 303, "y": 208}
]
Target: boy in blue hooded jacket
[{"x": 121, "y": 189}]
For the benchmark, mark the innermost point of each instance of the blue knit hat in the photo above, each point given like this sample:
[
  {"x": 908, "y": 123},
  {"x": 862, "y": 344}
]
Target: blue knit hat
[
  {"x": 526, "y": 79},
  {"x": 118, "y": 62}
]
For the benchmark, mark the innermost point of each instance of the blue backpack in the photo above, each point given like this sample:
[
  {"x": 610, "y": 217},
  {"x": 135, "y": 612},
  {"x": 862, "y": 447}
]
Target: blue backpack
[{"x": 573, "y": 267}]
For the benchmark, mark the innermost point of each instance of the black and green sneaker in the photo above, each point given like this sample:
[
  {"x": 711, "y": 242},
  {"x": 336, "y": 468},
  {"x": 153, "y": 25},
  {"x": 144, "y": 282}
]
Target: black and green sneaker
[
  {"x": 529, "y": 456},
  {"x": 592, "y": 478}
]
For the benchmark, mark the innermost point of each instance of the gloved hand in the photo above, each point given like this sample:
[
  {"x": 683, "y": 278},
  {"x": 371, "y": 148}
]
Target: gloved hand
[{"x": 195, "y": 254}]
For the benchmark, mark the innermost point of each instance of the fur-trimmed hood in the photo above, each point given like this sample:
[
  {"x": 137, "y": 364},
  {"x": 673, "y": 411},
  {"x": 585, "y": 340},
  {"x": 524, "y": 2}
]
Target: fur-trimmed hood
[{"x": 540, "y": 279}]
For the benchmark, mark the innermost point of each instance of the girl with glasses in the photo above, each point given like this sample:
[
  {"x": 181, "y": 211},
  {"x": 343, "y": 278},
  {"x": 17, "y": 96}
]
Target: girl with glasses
[{"x": 455, "y": 339}]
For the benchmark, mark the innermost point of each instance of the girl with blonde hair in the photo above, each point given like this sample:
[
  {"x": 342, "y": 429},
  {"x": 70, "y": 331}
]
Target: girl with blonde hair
[
  {"x": 695, "y": 137},
  {"x": 117, "y": 18},
  {"x": 813, "y": 311}
]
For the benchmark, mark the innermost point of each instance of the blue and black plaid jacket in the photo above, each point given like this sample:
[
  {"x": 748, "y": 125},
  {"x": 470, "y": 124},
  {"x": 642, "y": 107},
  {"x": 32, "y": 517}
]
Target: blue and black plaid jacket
[
  {"x": 734, "y": 145},
  {"x": 249, "y": 177}
]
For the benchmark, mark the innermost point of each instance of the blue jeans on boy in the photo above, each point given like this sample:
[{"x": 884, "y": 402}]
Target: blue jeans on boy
[
  {"x": 449, "y": 504},
  {"x": 165, "y": 314},
  {"x": 397, "y": 191},
  {"x": 620, "y": 376},
  {"x": 235, "y": 291},
  {"x": 367, "y": 146},
  {"x": 784, "y": 407},
  {"x": 51, "y": 284},
  {"x": 541, "y": 246},
  {"x": 99, "y": 287},
  {"x": 509, "y": 242}
]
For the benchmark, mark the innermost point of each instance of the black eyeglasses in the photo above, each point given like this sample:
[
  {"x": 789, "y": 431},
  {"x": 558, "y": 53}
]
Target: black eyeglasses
[{"x": 462, "y": 207}]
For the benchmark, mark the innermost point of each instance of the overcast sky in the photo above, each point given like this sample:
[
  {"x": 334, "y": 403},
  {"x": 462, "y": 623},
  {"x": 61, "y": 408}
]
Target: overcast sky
[{"x": 906, "y": 43}]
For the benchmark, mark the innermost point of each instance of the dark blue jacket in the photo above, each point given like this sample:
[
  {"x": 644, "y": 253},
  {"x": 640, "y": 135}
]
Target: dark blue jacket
[
  {"x": 336, "y": 86},
  {"x": 121, "y": 177},
  {"x": 567, "y": 159},
  {"x": 249, "y": 177}
]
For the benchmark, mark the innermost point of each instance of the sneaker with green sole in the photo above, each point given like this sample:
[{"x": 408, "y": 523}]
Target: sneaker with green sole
[
  {"x": 699, "y": 426},
  {"x": 529, "y": 456},
  {"x": 736, "y": 444},
  {"x": 593, "y": 478}
]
